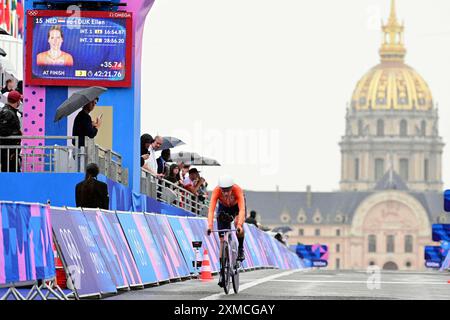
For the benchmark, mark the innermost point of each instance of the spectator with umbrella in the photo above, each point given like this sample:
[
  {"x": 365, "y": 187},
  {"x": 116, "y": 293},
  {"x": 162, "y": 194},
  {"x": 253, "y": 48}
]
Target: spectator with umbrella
[
  {"x": 83, "y": 125},
  {"x": 279, "y": 237}
]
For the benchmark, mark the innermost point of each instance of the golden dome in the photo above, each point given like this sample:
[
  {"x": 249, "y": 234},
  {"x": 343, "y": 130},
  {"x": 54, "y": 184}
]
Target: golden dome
[{"x": 392, "y": 84}]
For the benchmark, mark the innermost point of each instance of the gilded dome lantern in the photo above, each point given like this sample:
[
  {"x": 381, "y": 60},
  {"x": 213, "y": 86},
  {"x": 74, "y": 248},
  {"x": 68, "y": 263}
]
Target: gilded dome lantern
[
  {"x": 392, "y": 84},
  {"x": 391, "y": 124}
]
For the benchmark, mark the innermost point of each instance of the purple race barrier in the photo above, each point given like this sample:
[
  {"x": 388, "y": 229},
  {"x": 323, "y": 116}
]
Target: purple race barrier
[
  {"x": 168, "y": 245},
  {"x": 107, "y": 249},
  {"x": 26, "y": 252},
  {"x": 183, "y": 234},
  {"x": 120, "y": 263},
  {"x": 114, "y": 229},
  {"x": 148, "y": 257},
  {"x": 80, "y": 253}
]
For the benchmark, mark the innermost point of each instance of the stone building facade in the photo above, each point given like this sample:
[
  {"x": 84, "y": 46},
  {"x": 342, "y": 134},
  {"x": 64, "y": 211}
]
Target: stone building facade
[{"x": 391, "y": 173}]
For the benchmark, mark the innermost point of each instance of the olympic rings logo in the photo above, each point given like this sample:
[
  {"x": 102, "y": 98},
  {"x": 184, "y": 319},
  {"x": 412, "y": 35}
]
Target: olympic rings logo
[{"x": 32, "y": 13}]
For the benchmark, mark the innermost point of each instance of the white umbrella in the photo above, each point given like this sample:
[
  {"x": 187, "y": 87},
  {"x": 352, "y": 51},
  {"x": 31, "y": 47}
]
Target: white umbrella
[{"x": 6, "y": 66}]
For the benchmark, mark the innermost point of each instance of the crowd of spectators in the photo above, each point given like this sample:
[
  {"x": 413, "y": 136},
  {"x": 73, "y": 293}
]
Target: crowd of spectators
[{"x": 180, "y": 174}]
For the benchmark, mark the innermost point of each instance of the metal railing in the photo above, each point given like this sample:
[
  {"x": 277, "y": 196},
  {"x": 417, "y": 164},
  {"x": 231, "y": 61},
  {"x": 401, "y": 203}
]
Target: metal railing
[
  {"x": 41, "y": 158},
  {"x": 70, "y": 158},
  {"x": 108, "y": 161},
  {"x": 171, "y": 193},
  {"x": 65, "y": 157}
]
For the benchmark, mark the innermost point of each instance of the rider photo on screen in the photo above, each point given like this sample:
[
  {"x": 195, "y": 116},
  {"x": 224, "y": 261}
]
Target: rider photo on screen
[{"x": 55, "y": 56}]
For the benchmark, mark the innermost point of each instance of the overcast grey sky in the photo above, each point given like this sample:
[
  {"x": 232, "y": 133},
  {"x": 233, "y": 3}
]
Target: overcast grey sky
[{"x": 262, "y": 85}]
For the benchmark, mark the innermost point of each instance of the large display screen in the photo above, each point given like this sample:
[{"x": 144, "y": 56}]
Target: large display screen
[{"x": 83, "y": 49}]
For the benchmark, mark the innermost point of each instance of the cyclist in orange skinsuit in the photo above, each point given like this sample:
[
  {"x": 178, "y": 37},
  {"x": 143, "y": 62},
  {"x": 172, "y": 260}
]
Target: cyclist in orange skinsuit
[{"x": 232, "y": 202}]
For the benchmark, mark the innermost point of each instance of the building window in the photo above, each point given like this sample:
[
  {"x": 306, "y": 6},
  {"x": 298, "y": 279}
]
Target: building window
[
  {"x": 403, "y": 128},
  {"x": 390, "y": 244},
  {"x": 338, "y": 263},
  {"x": 356, "y": 169},
  {"x": 423, "y": 128},
  {"x": 426, "y": 172},
  {"x": 408, "y": 244},
  {"x": 379, "y": 169},
  {"x": 372, "y": 243},
  {"x": 317, "y": 232},
  {"x": 301, "y": 232},
  {"x": 338, "y": 247},
  {"x": 404, "y": 169},
  {"x": 338, "y": 232},
  {"x": 380, "y": 128},
  {"x": 371, "y": 263},
  {"x": 408, "y": 264}
]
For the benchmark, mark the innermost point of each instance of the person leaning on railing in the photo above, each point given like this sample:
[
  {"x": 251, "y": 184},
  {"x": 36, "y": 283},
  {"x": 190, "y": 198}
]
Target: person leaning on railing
[
  {"x": 173, "y": 175},
  {"x": 150, "y": 164},
  {"x": 146, "y": 141},
  {"x": 10, "y": 126},
  {"x": 193, "y": 182}
]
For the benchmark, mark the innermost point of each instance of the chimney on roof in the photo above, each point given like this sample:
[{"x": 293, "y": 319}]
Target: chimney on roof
[{"x": 308, "y": 196}]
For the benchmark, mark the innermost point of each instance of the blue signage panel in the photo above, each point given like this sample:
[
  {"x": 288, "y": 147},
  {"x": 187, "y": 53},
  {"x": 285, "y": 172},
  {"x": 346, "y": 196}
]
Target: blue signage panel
[
  {"x": 313, "y": 255},
  {"x": 434, "y": 256},
  {"x": 441, "y": 232},
  {"x": 447, "y": 200}
]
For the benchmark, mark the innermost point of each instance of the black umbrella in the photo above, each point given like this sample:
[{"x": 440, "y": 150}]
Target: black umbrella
[
  {"x": 78, "y": 100},
  {"x": 6, "y": 66},
  {"x": 3, "y": 31},
  {"x": 282, "y": 229},
  {"x": 2, "y": 52},
  {"x": 170, "y": 142}
]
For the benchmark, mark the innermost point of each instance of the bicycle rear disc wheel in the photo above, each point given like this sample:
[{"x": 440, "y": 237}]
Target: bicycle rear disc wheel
[
  {"x": 226, "y": 269},
  {"x": 235, "y": 277}
]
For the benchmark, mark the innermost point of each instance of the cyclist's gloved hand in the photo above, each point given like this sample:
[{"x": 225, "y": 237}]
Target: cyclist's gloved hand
[
  {"x": 208, "y": 232},
  {"x": 239, "y": 229}
]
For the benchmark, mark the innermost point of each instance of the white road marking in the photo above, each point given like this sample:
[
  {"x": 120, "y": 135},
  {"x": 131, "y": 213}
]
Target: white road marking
[
  {"x": 255, "y": 283},
  {"x": 382, "y": 282}
]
